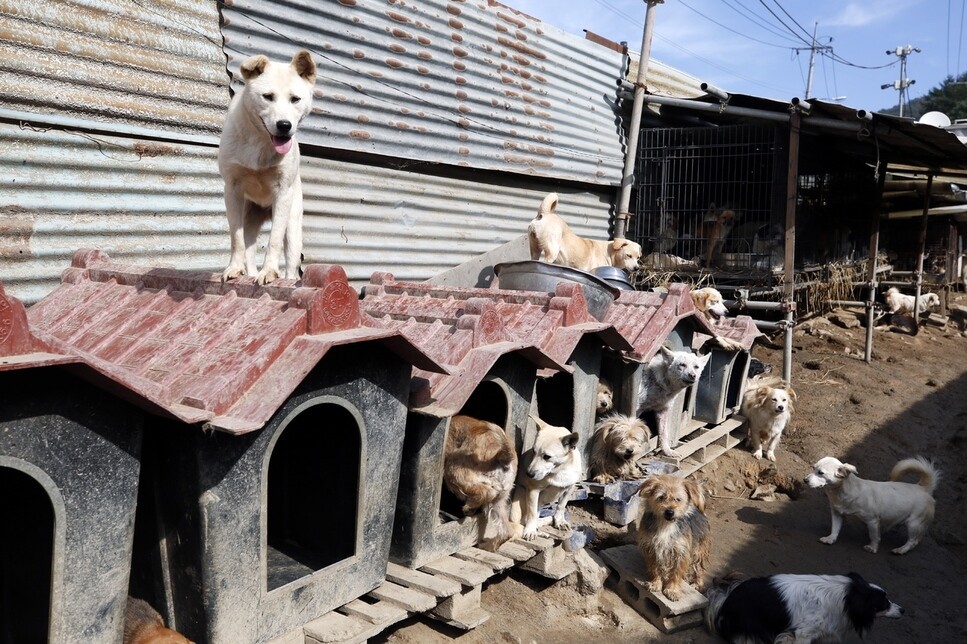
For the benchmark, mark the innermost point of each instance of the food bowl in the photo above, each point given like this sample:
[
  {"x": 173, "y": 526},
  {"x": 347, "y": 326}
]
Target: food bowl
[
  {"x": 532, "y": 275},
  {"x": 614, "y": 276}
]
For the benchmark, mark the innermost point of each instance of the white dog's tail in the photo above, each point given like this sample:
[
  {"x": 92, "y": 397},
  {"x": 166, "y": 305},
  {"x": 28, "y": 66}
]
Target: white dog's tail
[
  {"x": 549, "y": 205},
  {"x": 924, "y": 469}
]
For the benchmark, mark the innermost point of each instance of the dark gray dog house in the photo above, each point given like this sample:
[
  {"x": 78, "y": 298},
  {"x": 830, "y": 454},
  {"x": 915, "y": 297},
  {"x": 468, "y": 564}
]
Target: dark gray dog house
[
  {"x": 69, "y": 464},
  {"x": 492, "y": 377},
  {"x": 272, "y": 455},
  {"x": 650, "y": 319}
]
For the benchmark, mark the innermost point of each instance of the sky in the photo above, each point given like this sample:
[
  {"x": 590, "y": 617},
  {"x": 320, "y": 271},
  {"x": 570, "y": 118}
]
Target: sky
[{"x": 761, "y": 47}]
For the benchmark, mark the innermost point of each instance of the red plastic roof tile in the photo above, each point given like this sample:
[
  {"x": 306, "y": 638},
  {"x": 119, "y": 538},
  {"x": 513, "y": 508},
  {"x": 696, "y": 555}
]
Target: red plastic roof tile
[
  {"x": 19, "y": 348},
  {"x": 468, "y": 329},
  {"x": 223, "y": 354}
]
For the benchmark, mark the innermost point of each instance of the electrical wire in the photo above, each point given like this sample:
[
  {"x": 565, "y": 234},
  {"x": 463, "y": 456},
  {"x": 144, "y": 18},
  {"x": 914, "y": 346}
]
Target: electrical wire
[
  {"x": 727, "y": 28},
  {"x": 754, "y": 18}
]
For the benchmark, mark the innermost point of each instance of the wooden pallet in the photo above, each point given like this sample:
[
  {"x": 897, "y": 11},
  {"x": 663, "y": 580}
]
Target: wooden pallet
[
  {"x": 702, "y": 445},
  {"x": 448, "y": 589},
  {"x": 631, "y": 585}
]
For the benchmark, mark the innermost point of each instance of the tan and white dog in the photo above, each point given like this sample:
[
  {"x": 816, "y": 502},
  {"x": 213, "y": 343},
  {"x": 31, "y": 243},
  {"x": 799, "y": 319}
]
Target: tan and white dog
[
  {"x": 711, "y": 304},
  {"x": 616, "y": 445},
  {"x": 144, "y": 625},
  {"x": 258, "y": 158},
  {"x": 879, "y": 504},
  {"x": 604, "y": 400},
  {"x": 768, "y": 411},
  {"x": 548, "y": 472},
  {"x": 553, "y": 241},
  {"x": 479, "y": 467}
]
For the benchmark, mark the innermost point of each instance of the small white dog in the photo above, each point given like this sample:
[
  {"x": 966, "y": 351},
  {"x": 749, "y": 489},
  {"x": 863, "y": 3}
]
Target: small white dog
[
  {"x": 258, "y": 158},
  {"x": 553, "y": 241},
  {"x": 548, "y": 472},
  {"x": 768, "y": 411},
  {"x": 879, "y": 504},
  {"x": 668, "y": 373},
  {"x": 897, "y": 302},
  {"x": 616, "y": 445}
]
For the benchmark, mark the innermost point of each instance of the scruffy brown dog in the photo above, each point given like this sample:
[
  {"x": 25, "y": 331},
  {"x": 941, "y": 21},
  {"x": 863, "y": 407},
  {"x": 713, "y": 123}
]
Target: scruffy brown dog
[
  {"x": 673, "y": 534},
  {"x": 605, "y": 398},
  {"x": 144, "y": 625},
  {"x": 479, "y": 467},
  {"x": 616, "y": 445}
]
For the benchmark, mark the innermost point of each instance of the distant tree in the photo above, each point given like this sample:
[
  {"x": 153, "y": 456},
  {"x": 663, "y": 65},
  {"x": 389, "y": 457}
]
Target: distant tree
[{"x": 950, "y": 98}]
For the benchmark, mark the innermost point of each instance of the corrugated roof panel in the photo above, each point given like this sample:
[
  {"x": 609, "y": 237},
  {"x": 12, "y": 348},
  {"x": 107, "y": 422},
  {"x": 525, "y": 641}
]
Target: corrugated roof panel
[
  {"x": 156, "y": 65},
  {"x": 462, "y": 83},
  {"x": 161, "y": 203}
]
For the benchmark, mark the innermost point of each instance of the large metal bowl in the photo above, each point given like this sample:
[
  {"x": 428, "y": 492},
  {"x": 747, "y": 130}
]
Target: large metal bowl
[
  {"x": 532, "y": 275},
  {"x": 614, "y": 276}
]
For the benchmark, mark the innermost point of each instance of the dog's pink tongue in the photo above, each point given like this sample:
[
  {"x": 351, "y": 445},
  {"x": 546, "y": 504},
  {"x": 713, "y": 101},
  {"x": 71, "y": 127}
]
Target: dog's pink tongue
[{"x": 281, "y": 145}]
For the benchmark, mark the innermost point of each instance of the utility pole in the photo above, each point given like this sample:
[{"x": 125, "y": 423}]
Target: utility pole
[
  {"x": 812, "y": 58},
  {"x": 904, "y": 82}
]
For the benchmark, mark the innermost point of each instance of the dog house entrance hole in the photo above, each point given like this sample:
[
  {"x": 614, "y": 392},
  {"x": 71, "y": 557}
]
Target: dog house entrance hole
[
  {"x": 313, "y": 493},
  {"x": 555, "y": 400},
  {"x": 488, "y": 402},
  {"x": 26, "y": 558}
]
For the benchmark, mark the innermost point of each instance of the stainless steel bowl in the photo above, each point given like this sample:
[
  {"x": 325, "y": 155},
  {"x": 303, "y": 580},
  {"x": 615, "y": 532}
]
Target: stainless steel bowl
[
  {"x": 532, "y": 275},
  {"x": 614, "y": 276}
]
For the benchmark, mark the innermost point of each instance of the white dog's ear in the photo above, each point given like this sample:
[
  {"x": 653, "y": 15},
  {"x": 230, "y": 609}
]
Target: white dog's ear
[
  {"x": 540, "y": 423},
  {"x": 254, "y": 66},
  {"x": 845, "y": 470},
  {"x": 704, "y": 360},
  {"x": 304, "y": 66},
  {"x": 571, "y": 440},
  {"x": 667, "y": 354}
]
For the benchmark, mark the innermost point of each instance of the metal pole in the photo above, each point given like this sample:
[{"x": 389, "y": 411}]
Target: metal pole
[
  {"x": 922, "y": 246},
  {"x": 628, "y": 175},
  {"x": 812, "y": 61},
  {"x": 789, "y": 272},
  {"x": 874, "y": 251}
]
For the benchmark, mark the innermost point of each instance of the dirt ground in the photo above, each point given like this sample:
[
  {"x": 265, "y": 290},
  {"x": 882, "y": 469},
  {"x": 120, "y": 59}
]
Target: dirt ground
[{"x": 912, "y": 400}]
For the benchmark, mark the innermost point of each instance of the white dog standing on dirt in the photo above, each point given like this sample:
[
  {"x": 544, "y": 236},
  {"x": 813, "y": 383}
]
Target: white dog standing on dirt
[
  {"x": 258, "y": 158},
  {"x": 897, "y": 302},
  {"x": 668, "y": 373},
  {"x": 879, "y": 504},
  {"x": 768, "y": 411},
  {"x": 548, "y": 472}
]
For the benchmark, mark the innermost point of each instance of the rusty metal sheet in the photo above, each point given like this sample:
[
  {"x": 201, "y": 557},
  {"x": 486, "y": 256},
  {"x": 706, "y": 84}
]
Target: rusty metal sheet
[
  {"x": 160, "y": 203},
  {"x": 472, "y": 84},
  {"x": 195, "y": 347},
  {"x": 154, "y": 65}
]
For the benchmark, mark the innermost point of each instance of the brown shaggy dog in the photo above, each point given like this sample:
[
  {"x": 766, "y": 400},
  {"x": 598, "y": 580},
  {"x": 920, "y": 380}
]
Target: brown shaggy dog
[
  {"x": 617, "y": 444},
  {"x": 673, "y": 534},
  {"x": 605, "y": 398},
  {"x": 479, "y": 467},
  {"x": 143, "y": 625}
]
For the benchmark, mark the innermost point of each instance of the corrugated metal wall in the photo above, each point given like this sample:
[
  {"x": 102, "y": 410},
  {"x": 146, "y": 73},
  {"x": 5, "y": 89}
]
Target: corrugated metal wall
[
  {"x": 472, "y": 84},
  {"x": 110, "y": 110}
]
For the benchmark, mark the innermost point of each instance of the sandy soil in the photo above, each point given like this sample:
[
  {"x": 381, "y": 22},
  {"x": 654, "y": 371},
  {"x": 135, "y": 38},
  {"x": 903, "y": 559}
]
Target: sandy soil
[{"x": 911, "y": 400}]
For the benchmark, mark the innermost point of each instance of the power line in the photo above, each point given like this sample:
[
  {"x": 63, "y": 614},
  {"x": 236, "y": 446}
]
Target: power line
[
  {"x": 783, "y": 22},
  {"x": 727, "y": 28},
  {"x": 803, "y": 29},
  {"x": 754, "y": 18}
]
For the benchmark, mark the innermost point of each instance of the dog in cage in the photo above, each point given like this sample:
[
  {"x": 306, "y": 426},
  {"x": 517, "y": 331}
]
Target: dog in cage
[{"x": 716, "y": 226}]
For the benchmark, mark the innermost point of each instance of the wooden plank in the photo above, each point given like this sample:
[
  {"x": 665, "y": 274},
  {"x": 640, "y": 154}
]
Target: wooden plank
[
  {"x": 495, "y": 561},
  {"x": 516, "y": 551},
  {"x": 335, "y": 627},
  {"x": 409, "y": 598},
  {"x": 467, "y": 573},
  {"x": 433, "y": 585},
  {"x": 381, "y": 613}
]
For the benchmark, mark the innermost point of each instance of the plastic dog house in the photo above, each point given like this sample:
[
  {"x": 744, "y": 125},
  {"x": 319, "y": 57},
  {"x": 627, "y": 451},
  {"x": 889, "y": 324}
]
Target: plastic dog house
[
  {"x": 272, "y": 453},
  {"x": 69, "y": 465}
]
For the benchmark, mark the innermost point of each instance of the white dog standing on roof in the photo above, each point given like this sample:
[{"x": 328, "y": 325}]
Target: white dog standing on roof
[{"x": 258, "y": 158}]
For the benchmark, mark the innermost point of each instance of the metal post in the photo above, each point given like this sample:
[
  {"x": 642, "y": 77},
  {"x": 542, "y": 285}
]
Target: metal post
[
  {"x": 922, "y": 246},
  {"x": 874, "y": 251},
  {"x": 628, "y": 175},
  {"x": 789, "y": 269}
]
